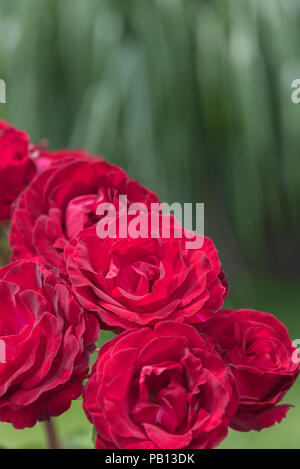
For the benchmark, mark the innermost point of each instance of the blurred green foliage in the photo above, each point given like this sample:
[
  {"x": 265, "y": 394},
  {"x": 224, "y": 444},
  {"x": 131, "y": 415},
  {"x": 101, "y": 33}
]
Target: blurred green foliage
[{"x": 190, "y": 97}]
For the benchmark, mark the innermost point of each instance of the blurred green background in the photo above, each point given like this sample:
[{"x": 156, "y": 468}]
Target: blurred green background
[{"x": 193, "y": 98}]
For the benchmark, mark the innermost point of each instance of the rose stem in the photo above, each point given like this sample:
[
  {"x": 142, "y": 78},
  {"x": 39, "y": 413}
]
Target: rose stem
[{"x": 52, "y": 437}]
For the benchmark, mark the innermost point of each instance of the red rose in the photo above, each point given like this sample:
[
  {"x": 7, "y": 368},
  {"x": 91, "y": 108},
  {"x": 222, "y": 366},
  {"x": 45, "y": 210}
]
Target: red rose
[
  {"x": 44, "y": 158},
  {"x": 163, "y": 388},
  {"x": 63, "y": 200},
  {"x": 16, "y": 167},
  {"x": 139, "y": 282},
  {"x": 48, "y": 340},
  {"x": 258, "y": 348}
]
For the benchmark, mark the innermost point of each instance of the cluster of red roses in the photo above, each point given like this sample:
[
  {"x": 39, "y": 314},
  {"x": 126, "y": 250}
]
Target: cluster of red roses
[{"x": 180, "y": 370}]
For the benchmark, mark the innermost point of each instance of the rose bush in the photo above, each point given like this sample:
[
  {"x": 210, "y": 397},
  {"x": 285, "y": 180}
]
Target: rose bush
[
  {"x": 132, "y": 282},
  {"x": 61, "y": 201},
  {"x": 162, "y": 388},
  {"x": 263, "y": 360},
  {"x": 16, "y": 167},
  {"x": 48, "y": 340},
  {"x": 182, "y": 370}
]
